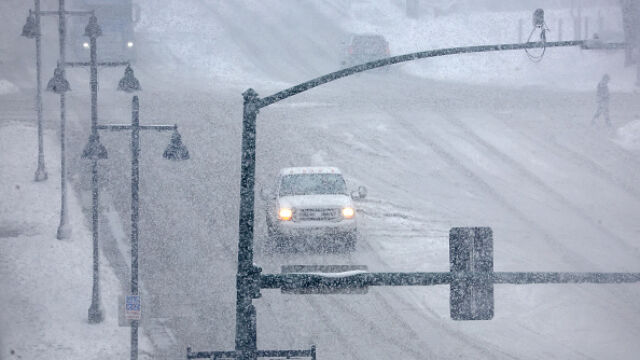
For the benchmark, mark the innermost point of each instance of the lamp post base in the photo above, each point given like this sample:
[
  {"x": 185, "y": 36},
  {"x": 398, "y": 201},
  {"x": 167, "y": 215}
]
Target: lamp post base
[
  {"x": 64, "y": 231},
  {"x": 41, "y": 174},
  {"x": 96, "y": 315}
]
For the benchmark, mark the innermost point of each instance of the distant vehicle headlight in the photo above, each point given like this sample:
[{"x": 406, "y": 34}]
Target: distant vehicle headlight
[
  {"x": 130, "y": 44},
  {"x": 348, "y": 212},
  {"x": 285, "y": 214},
  {"x": 85, "y": 45}
]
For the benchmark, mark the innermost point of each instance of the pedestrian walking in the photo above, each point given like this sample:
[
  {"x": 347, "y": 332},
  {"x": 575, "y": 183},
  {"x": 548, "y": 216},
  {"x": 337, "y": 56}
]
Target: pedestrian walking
[{"x": 603, "y": 101}]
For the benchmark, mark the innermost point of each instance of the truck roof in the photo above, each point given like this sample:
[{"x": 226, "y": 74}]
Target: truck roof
[{"x": 310, "y": 170}]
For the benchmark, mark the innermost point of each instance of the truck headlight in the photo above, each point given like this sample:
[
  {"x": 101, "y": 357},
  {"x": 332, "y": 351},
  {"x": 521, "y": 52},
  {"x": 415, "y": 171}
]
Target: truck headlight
[
  {"x": 285, "y": 214},
  {"x": 85, "y": 45},
  {"x": 348, "y": 212},
  {"x": 130, "y": 44}
]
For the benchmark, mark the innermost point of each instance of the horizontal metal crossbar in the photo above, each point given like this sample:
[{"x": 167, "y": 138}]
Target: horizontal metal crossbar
[
  {"x": 335, "y": 280},
  {"x": 311, "y": 353},
  {"x": 102, "y": 64},
  {"x": 117, "y": 127},
  {"x": 563, "y": 278},
  {"x": 409, "y": 57},
  {"x": 66, "y": 12}
]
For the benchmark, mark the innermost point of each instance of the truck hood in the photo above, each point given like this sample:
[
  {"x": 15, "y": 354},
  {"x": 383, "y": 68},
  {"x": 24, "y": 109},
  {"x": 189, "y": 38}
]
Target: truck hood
[{"x": 315, "y": 201}]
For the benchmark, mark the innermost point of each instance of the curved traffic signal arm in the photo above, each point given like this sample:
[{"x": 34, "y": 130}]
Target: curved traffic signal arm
[{"x": 246, "y": 328}]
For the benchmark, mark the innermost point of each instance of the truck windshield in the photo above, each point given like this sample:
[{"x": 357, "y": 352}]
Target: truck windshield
[{"x": 312, "y": 184}]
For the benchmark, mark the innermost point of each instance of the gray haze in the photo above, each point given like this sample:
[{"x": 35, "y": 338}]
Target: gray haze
[{"x": 471, "y": 140}]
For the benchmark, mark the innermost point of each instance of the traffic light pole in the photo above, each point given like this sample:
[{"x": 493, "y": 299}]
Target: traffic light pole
[
  {"x": 246, "y": 343},
  {"x": 249, "y": 279}
]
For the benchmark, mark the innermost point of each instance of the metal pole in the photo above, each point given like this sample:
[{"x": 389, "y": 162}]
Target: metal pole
[
  {"x": 135, "y": 152},
  {"x": 64, "y": 229},
  {"x": 586, "y": 28},
  {"x": 559, "y": 29},
  {"x": 95, "y": 311},
  {"x": 520, "y": 25},
  {"x": 246, "y": 334},
  {"x": 600, "y": 23},
  {"x": 41, "y": 173}
]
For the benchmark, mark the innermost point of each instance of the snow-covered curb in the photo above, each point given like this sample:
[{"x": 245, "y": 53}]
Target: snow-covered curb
[
  {"x": 46, "y": 283},
  {"x": 628, "y": 136}
]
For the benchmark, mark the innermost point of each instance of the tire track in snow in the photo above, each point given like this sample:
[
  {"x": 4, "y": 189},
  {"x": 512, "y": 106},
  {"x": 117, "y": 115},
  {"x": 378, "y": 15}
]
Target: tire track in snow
[
  {"x": 384, "y": 335},
  {"x": 432, "y": 318},
  {"x": 533, "y": 178},
  {"x": 486, "y": 348},
  {"x": 604, "y": 174},
  {"x": 585, "y": 161},
  {"x": 613, "y": 151},
  {"x": 597, "y": 169},
  {"x": 627, "y": 300},
  {"x": 568, "y": 255}
]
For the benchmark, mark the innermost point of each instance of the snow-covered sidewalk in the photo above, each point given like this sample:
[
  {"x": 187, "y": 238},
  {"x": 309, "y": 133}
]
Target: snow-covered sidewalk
[{"x": 45, "y": 283}]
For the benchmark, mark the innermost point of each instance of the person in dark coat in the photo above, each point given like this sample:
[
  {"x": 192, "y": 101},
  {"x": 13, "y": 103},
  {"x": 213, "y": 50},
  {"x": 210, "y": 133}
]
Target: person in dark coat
[{"x": 603, "y": 100}]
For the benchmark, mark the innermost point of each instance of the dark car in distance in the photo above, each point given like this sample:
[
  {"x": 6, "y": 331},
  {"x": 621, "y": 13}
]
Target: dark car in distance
[{"x": 363, "y": 48}]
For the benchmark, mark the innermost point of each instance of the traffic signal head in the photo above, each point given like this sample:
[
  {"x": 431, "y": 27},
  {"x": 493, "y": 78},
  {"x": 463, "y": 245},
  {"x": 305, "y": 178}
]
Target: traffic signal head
[{"x": 471, "y": 264}]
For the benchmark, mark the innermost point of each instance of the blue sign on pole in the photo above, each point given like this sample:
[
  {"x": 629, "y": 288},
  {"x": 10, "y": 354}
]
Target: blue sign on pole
[{"x": 132, "y": 307}]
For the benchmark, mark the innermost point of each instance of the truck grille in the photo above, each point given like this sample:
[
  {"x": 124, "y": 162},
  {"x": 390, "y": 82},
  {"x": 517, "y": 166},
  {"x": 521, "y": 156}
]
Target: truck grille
[{"x": 316, "y": 214}]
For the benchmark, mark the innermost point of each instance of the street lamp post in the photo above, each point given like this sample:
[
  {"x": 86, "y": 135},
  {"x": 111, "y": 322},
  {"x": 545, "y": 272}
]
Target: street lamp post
[
  {"x": 31, "y": 30},
  {"x": 175, "y": 151},
  {"x": 94, "y": 150},
  {"x": 64, "y": 229}
]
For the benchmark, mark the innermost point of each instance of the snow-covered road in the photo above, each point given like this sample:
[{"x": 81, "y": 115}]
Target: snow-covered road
[{"x": 560, "y": 195}]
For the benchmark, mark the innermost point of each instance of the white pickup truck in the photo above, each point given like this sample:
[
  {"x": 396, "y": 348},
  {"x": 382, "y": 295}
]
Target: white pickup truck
[{"x": 311, "y": 207}]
